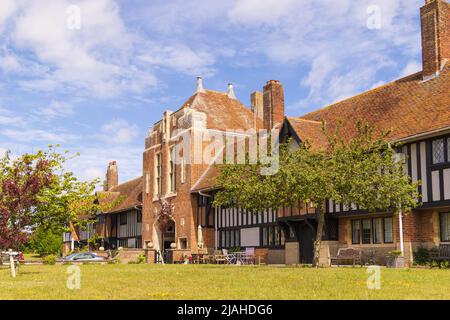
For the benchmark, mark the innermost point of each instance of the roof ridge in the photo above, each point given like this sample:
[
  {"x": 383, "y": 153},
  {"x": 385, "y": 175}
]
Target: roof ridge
[{"x": 305, "y": 120}]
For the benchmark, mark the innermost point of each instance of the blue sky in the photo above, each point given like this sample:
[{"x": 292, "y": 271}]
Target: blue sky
[{"x": 97, "y": 89}]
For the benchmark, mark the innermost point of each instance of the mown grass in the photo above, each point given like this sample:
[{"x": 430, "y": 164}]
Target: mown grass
[{"x": 221, "y": 282}]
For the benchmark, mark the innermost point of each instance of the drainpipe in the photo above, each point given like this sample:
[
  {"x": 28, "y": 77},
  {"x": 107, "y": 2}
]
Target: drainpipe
[{"x": 400, "y": 223}]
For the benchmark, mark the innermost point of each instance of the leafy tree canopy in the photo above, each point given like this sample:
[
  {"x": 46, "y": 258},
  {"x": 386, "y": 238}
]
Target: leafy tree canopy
[
  {"x": 37, "y": 192},
  {"x": 364, "y": 171}
]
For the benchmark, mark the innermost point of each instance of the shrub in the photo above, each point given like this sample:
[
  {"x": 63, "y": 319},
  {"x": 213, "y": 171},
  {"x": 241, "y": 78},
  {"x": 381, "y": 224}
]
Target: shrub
[
  {"x": 141, "y": 259},
  {"x": 50, "y": 260},
  {"x": 45, "y": 242},
  {"x": 395, "y": 253},
  {"x": 422, "y": 255}
]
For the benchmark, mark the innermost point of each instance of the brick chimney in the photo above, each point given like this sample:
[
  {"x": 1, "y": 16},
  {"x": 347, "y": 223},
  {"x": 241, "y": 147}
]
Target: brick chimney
[
  {"x": 112, "y": 176},
  {"x": 435, "y": 17},
  {"x": 256, "y": 103},
  {"x": 273, "y": 104}
]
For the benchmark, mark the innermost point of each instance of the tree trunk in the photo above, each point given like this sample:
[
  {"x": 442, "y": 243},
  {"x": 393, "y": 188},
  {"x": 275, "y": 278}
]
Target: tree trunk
[{"x": 317, "y": 243}]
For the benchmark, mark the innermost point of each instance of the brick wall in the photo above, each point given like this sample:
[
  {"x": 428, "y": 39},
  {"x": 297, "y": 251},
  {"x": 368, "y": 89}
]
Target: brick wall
[
  {"x": 273, "y": 104},
  {"x": 420, "y": 228},
  {"x": 435, "y": 17}
]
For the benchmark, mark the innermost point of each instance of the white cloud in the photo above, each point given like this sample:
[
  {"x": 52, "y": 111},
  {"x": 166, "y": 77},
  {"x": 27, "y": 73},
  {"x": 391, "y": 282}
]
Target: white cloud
[
  {"x": 411, "y": 68},
  {"x": 7, "y": 8},
  {"x": 267, "y": 12},
  {"x": 93, "y": 161},
  {"x": 93, "y": 173},
  {"x": 30, "y": 135},
  {"x": 119, "y": 131},
  {"x": 9, "y": 63},
  {"x": 96, "y": 59},
  {"x": 56, "y": 109},
  {"x": 180, "y": 58},
  {"x": 9, "y": 118},
  {"x": 331, "y": 37}
]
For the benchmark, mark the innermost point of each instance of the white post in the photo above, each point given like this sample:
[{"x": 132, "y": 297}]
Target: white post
[
  {"x": 12, "y": 264},
  {"x": 400, "y": 224}
]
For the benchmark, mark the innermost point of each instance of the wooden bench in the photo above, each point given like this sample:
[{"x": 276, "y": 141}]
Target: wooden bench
[
  {"x": 347, "y": 254},
  {"x": 442, "y": 255}
]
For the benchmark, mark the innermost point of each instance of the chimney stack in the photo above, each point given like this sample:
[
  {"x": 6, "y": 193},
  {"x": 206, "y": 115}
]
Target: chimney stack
[
  {"x": 112, "y": 176},
  {"x": 200, "y": 88},
  {"x": 230, "y": 92},
  {"x": 256, "y": 103},
  {"x": 273, "y": 104},
  {"x": 435, "y": 17}
]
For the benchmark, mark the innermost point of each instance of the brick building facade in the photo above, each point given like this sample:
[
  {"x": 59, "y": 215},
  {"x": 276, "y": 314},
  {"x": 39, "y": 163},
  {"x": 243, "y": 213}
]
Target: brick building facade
[{"x": 176, "y": 190}]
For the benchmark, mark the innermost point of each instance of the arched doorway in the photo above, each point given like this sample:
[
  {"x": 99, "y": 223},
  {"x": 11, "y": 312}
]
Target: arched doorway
[
  {"x": 164, "y": 234},
  {"x": 168, "y": 235}
]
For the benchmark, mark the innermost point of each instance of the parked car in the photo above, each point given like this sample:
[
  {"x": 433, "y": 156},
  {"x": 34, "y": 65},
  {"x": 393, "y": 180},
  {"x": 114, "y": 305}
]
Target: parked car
[{"x": 84, "y": 257}]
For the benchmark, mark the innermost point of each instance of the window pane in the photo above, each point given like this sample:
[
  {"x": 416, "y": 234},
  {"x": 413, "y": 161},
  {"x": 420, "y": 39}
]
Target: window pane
[
  {"x": 366, "y": 226},
  {"x": 388, "y": 233},
  {"x": 227, "y": 239},
  {"x": 277, "y": 235},
  {"x": 448, "y": 149},
  {"x": 377, "y": 230},
  {"x": 264, "y": 236},
  {"x": 238, "y": 238},
  {"x": 356, "y": 231},
  {"x": 271, "y": 236},
  {"x": 232, "y": 244},
  {"x": 222, "y": 235},
  {"x": 445, "y": 226},
  {"x": 139, "y": 216},
  {"x": 438, "y": 151}
]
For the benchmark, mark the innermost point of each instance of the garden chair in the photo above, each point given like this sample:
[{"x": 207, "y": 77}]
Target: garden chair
[{"x": 230, "y": 258}]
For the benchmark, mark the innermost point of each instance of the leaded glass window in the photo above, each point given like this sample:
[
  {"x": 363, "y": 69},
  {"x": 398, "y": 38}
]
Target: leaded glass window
[
  {"x": 438, "y": 151},
  {"x": 356, "y": 231},
  {"x": 445, "y": 226},
  {"x": 377, "y": 230},
  {"x": 366, "y": 231},
  {"x": 448, "y": 149},
  {"x": 388, "y": 232}
]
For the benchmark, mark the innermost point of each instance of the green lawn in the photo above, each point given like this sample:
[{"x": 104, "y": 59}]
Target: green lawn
[
  {"x": 221, "y": 282},
  {"x": 32, "y": 257}
]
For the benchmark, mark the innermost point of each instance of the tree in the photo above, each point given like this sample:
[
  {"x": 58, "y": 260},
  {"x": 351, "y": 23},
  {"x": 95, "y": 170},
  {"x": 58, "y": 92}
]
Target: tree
[
  {"x": 362, "y": 172},
  {"x": 45, "y": 241},
  {"x": 37, "y": 192}
]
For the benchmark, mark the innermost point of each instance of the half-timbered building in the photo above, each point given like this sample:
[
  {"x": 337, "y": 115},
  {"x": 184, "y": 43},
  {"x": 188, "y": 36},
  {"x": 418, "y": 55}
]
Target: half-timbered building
[{"x": 174, "y": 197}]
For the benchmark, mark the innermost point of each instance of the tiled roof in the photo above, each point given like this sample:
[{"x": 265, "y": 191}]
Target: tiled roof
[
  {"x": 223, "y": 113},
  {"x": 131, "y": 191},
  {"x": 406, "y": 107},
  {"x": 308, "y": 130}
]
